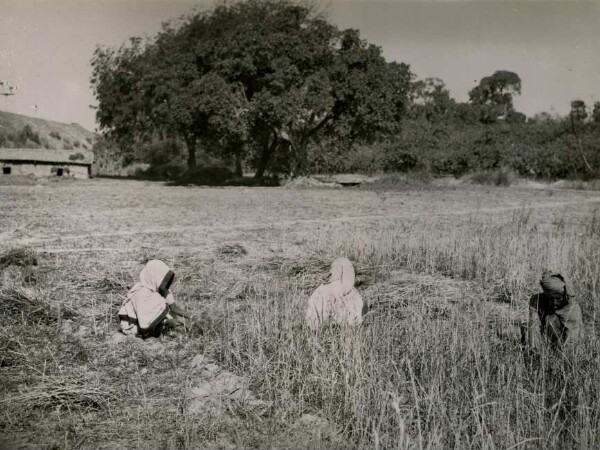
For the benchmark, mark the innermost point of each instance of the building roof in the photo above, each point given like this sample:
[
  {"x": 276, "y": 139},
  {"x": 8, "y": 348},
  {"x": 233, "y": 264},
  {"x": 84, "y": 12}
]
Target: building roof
[{"x": 75, "y": 156}]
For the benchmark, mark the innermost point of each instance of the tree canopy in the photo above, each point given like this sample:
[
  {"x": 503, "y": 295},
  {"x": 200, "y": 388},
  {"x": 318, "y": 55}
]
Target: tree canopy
[
  {"x": 250, "y": 80},
  {"x": 494, "y": 94}
]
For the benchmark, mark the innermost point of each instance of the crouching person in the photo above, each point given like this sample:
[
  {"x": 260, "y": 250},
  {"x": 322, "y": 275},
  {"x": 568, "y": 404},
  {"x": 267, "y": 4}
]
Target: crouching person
[
  {"x": 149, "y": 303},
  {"x": 554, "y": 316},
  {"x": 336, "y": 301}
]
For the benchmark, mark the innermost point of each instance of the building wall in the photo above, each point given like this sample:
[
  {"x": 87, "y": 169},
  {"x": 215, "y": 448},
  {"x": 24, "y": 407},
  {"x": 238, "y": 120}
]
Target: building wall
[{"x": 45, "y": 170}]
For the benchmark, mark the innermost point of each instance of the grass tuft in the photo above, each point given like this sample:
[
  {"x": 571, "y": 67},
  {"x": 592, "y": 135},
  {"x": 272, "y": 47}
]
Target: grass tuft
[
  {"x": 60, "y": 392},
  {"x": 26, "y": 305},
  {"x": 235, "y": 250},
  {"x": 19, "y": 256}
]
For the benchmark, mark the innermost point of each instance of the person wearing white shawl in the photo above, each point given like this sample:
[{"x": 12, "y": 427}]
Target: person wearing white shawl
[
  {"x": 149, "y": 301},
  {"x": 336, "y": 301}
]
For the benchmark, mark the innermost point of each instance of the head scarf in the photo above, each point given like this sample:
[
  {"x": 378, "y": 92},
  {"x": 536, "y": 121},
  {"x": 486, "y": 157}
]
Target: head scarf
[
  {"x": 155, "y": 277},
  {"x": 342, "y": 277},
  {"x": 554, "y": 283}
]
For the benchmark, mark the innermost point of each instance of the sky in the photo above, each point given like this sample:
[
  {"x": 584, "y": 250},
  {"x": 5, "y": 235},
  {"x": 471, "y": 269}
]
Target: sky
[{"x": 553, "y": 45}]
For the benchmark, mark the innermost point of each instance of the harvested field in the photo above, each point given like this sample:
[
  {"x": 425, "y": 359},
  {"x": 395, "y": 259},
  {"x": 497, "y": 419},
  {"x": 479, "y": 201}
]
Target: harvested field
[{"x": 446, "y": 272}]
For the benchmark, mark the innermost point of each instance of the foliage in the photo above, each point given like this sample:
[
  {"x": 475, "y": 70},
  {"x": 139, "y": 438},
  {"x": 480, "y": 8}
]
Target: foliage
[
  {"x": 259, "y": 79},
  {"x": 494, "y": 94},
  {"x": 206, "y": 176},
  {"x": 544, "y": 150},
  {"x": 497, "y": 177},
  {"x": 76, "y": 157},
  {"x": 25, "y": 137},
  {"x": 159, "y": 152},
  {"x": 272, "y": 85}
]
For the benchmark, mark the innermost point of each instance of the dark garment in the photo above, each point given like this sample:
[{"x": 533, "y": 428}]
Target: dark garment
[{"x": 557, "y": 325}]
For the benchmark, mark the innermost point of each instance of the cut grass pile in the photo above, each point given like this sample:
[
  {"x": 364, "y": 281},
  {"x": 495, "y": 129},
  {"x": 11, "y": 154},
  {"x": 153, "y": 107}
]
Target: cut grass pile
[
  {"x": 28, "y": 306},
  {"x": 19, "y": 256},
  {"x": 60, "y": 392}
]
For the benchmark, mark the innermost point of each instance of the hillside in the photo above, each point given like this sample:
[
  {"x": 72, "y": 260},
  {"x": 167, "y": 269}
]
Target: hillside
[{"x": 18, "y": 131}]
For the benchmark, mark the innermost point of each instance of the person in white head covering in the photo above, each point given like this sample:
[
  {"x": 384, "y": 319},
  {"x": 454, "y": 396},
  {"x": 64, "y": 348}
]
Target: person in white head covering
[
  {"x": 336, "y": 301},
  {"x": 553, "y": 314},
  {"x": 150, "y": 302}
]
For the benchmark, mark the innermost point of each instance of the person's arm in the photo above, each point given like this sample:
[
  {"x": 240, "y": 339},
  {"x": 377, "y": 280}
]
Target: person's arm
[
  {"x": 179, "y": 311},
  {"x": 535, "y": 323},
  {"x": 572, "y": 320}
]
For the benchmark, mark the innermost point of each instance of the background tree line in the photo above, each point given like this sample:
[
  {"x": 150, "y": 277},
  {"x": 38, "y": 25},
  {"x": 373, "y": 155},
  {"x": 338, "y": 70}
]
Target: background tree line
[{"x": 271, "y": 86}]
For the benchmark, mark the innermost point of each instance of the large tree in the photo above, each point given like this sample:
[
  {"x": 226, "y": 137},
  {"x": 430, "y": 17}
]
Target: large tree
[
  {"x": 431, "y": 99},
  {"x": 257, "y": 77},
  {"x": 494, "y": 94}
]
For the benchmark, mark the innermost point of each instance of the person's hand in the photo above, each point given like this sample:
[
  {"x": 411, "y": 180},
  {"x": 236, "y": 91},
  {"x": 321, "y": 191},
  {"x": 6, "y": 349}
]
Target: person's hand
[{"x": 193, "y": 324}]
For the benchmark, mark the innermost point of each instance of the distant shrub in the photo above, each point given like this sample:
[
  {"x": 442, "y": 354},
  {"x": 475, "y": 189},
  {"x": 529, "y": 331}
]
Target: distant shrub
[
  {"x": 399, "y": 161},
  {"x": 206, "y": 176},
  {"x": 76, "y": 156},
  {"x": 55, "y": 135},
  {"x": 25, "y": 136},
  {"x": 498, "y": 177},
  {"x": 167, "y": 171},
  {"x": 159, "y": 153},
  {"x": 251, "y": 181},
  {"x": 456, "y": 165},
  {"x": 76, "y": 144}
]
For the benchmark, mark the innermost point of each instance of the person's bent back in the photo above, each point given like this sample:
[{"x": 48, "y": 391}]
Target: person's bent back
[
  {"x": 554, "y": 316},
  {"x": 336, "y": 301}
]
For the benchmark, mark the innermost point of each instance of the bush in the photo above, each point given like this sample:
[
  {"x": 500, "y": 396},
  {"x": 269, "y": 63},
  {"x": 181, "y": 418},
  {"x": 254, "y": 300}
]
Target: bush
[
  {"x": 400, "y": 161},
  {"x": 55, "y": 135},
  {"x": 25, "y": 136},
  {"x": 160, "y": 153},
  {"x": 167, "y": 171},
  {"x": 456, "y": 165},
  {"x": 498, "y": 177},
  {"x": 76, "y": 157},
  {"x": 206, "y": 176}
]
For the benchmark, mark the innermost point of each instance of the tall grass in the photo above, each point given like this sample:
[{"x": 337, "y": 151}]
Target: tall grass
[{"x": 431, "y": 380}]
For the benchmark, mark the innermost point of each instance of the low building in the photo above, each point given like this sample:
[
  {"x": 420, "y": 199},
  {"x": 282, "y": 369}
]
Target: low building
[{"x": 40, "y": 162}]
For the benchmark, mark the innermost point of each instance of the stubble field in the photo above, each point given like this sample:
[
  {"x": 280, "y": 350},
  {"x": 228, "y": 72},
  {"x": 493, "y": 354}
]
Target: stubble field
[{"x": 438, "y": 363}]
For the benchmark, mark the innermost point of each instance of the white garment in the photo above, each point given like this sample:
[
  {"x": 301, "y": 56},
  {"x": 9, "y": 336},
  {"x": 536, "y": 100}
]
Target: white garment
[
  {"x": 144, "y": 306},
  {"x": 336, "y": 301}
]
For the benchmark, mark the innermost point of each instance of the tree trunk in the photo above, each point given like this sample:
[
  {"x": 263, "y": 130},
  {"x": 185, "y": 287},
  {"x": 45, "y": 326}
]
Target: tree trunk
[
  {"x": 301, "y": 152},
  {"x": 190, "y": 142},
  {"x": 238, "y": 165},
  {"x": 265, "y": 157}
]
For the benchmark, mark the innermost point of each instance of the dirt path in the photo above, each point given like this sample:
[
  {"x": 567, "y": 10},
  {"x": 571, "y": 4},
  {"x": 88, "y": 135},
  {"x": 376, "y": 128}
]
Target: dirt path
[{"x": 279, "y": 224}]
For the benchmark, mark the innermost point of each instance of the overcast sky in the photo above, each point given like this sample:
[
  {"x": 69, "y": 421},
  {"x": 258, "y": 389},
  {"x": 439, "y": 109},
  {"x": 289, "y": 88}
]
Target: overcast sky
[{"x": 46, "y": 45}]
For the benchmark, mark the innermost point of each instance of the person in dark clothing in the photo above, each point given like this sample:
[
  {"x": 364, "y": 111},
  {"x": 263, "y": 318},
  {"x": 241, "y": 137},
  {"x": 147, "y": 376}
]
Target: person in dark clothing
[{"x": 554, "y": 316}]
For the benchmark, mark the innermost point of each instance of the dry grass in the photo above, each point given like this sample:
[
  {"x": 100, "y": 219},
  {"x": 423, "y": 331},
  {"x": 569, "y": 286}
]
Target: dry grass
[
  {"x": 19, "y": 256},
  {"x": 438, "y": 363}
]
